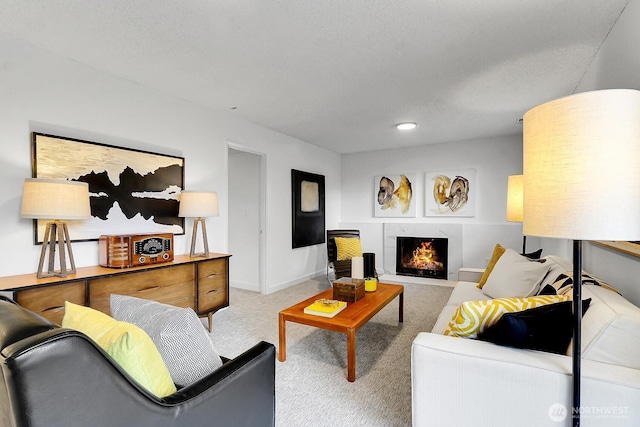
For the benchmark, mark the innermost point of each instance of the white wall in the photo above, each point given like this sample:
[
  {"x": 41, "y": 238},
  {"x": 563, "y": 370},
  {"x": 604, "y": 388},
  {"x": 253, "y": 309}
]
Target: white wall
[
  {"x": 47, "y": 93},
  {"x": 493, "y": 159},
  {"x": 617, "y": 65}
]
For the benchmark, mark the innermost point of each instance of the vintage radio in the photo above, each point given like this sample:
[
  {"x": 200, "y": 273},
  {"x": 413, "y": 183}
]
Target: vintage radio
[{"x": 131, "y": 250}]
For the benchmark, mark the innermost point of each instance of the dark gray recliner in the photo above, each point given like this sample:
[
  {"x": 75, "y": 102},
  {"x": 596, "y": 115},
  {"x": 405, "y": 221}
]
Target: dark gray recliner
[{"x": 52, "y": 376}]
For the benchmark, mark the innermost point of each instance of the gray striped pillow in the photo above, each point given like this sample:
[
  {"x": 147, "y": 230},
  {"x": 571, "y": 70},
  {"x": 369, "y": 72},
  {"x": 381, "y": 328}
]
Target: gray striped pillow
[{"x": 178, "y": 333}]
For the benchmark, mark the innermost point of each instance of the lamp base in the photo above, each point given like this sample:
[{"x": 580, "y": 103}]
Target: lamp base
[
  {"x": 194, "y": 235},
  {"x": 56, "y": 231}
]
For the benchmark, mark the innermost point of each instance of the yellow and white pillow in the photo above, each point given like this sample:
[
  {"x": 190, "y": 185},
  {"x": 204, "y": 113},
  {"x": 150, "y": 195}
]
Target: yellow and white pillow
[
  {"x": 473, "y": 317},
  {"x": 348, "y": 247},
  {"x": 127, "y": 344}
]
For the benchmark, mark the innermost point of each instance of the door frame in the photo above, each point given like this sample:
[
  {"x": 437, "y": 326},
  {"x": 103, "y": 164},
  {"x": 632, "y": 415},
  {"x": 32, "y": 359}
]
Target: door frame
[{"x": 262, "y": 206}]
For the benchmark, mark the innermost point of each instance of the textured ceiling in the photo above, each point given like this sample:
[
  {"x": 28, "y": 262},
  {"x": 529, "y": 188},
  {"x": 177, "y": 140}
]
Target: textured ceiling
[{"x": 338, "y": 74}]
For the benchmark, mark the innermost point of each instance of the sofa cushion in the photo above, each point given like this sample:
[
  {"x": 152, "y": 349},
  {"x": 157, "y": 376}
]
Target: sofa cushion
[
  {"x": 127, "y": 344},
  {"x": 515, "y": 276},
  {"x": 178, "y": 333},
  {"x": 466, "y": 291},
  {"x": 547, "y": 328},
  {"x": 463, "y": 291},
  {"x": 347, "y": 248},
  {"x": 473, "y": 317},
  {"x": 498, "y": 250},
  {"x": 610, "y": 329}
]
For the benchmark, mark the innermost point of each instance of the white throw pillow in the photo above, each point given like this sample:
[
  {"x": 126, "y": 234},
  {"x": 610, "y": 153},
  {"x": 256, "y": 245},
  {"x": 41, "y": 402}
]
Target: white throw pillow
[
  {"x": 178, "y": 333},
  {"x": 515, "y": 276}
]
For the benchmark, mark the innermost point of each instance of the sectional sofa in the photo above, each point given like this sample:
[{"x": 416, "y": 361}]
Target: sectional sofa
[{"x": 462, "y": 381}]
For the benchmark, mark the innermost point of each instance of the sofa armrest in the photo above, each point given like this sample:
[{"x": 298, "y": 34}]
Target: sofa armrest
[
  {"x": 458, "y": 381},
  {"x": 468, "y": 274}
]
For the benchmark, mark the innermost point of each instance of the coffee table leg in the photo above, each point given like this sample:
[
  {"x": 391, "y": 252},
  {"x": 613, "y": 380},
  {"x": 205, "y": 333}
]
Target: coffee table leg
[
  {"x": 351, "y": 355},
  {"x": 401, "y": 308},
  {"x": 282, "y": 348}
]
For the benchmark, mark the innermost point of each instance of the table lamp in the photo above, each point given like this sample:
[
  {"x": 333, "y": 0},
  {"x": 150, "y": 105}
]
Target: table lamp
[
  {"x": 198, "y": 205},
  {"x": 581, "y": 157},
  {"x": 56, "y": 200},
  {"x": 514, "y": 203}
]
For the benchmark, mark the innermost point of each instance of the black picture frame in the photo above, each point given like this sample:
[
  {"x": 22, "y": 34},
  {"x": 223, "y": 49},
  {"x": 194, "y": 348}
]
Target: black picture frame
[
  {"x": 131, "y": 191},
  {"x": 307, "y": 203}
]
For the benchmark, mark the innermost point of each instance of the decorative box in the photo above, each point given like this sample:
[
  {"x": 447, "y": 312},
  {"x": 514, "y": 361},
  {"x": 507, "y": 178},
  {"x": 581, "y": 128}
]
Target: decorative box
[{"x": 348, "y": 289}]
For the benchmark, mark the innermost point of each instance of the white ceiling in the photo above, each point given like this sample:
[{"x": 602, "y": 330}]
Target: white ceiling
[{"x": 338, "y": 74}]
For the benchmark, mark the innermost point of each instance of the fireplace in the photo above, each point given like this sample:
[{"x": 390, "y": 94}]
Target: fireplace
[{"x": 422, "y": 256}]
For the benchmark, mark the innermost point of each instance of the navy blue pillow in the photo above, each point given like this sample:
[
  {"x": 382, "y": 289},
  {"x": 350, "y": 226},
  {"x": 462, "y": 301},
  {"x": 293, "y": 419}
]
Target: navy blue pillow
[
  {"x": 547, "y": 290},
  {"x": 534, "y": 255},
  {"x": 547, "y": 328}
]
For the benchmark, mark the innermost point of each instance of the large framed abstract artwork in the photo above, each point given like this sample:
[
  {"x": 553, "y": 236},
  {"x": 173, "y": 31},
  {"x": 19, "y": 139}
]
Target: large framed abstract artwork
[
  {"x": 131, "y": 191},
  {"x": 307, "y": 209},
  {"x": 450, "y": 193},
  {"x": 393, "y": 196}
]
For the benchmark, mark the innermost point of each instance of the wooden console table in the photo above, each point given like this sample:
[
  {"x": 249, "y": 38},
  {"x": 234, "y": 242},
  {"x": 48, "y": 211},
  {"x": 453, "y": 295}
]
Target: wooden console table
[{"x": 201, "y": 283}]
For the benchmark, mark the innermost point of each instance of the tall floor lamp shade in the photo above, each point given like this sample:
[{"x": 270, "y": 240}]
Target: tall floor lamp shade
[
  {"x": 56, "y": 200},
  {"x": 581, "y": 164},
  {"x": 198, "y": 205},
  {"x": 514, "y": 203}
]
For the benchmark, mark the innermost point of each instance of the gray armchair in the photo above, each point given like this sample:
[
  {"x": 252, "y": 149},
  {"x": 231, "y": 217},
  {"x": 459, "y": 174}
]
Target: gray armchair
[{"x": 52, "y": 376}]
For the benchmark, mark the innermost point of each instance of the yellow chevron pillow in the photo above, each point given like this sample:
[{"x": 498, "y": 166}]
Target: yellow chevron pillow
[
  {"x": 473, "y": 317},
  {"x": 348, "y": 247}
]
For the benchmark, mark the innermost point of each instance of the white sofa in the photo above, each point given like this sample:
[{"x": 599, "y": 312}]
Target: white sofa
[{"x": 469, "y": 382}]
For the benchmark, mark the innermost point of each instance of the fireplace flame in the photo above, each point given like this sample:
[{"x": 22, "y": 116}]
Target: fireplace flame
[{"x": 425, "y": 257}]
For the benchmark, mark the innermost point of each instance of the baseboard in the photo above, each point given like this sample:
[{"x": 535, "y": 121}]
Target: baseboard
[{"x": 288, "y": 284}]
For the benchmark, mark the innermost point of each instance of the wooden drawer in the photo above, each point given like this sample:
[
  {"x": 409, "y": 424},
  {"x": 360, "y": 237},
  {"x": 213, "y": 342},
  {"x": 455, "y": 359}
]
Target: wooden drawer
[
  {"x": 175, "y": 286},
  {"x": 48, "y": 301},
  {"x": 212, "y": 300},
  {"x": 212, "y": 285}
]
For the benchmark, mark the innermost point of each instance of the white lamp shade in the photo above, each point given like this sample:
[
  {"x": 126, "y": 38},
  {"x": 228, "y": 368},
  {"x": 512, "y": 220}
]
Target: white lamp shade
[
  {"x": 582, "y": 167},
  {"x": 196, "y": 204},
  {"x": 515, "y": 198},
  {"x": 55, "y": 199}
]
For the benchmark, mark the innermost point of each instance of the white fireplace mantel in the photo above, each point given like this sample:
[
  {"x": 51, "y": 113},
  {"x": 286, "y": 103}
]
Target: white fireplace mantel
[{"x": 452, "y": 232}]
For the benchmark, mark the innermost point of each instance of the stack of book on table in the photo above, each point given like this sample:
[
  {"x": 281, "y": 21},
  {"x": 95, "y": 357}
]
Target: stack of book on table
[{"x": 325, "y": 307}]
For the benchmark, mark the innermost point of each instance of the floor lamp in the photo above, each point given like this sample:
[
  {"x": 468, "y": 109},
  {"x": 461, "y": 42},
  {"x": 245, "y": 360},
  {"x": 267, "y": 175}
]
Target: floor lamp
[
  {"x": 56, "y": 200},
  {"x": 514, "y": 203},
  {"x": 581, "y": 157},
  {"x": 198, "y": 205}
]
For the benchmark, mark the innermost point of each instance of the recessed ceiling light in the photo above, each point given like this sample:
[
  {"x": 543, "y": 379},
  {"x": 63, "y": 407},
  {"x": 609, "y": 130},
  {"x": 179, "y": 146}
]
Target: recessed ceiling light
[{"x": 406, "y": 126}]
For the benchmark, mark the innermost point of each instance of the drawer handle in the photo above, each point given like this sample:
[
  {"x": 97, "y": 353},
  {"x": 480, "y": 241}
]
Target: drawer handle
[
  {"x": 152, "y": 288},
  {"x": 56, "y": 308},
  {"x": 213, "y": 291},
  {"x": 212, "y": 275}
]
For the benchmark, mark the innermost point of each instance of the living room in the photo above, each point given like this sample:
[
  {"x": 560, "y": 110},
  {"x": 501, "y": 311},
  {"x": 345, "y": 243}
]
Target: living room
[{"x": 45, "y": 91}]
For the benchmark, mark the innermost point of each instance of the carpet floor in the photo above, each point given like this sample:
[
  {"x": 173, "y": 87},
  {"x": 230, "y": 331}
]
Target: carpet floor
[{"x": 311, "y": 385}]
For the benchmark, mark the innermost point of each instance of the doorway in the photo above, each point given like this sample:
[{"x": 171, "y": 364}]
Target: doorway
[{"x": 247, "y": 207}]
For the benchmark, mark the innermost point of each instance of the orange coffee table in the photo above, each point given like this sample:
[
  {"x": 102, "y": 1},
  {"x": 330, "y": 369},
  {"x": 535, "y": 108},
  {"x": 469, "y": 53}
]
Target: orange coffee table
[{"x": 348, "y": 321}]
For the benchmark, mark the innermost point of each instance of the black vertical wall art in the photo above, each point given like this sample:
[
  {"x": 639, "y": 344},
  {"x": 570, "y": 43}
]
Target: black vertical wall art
[{"x": 307, "y": 208}]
